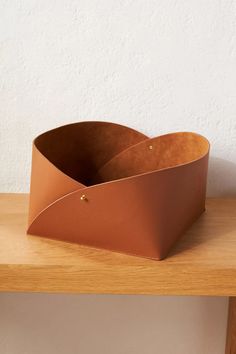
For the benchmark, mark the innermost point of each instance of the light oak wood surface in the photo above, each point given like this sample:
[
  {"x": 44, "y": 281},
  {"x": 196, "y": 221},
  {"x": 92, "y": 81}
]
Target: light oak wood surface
[
  {"x": 231, "y": 328},
  {"x": 202, "y": 263}
]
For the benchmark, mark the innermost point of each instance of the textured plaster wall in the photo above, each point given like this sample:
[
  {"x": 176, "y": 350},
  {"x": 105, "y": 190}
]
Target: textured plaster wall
[{"x": 158, "y": 66}]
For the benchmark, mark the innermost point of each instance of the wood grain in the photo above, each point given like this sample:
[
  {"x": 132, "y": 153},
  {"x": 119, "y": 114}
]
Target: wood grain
[
  {"x": 231, "y": 328},
  {"x": 202, "y": 263}
]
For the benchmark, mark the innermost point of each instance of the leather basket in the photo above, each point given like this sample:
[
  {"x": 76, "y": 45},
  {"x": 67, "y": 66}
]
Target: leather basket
[{"x": 108, "y": 186}]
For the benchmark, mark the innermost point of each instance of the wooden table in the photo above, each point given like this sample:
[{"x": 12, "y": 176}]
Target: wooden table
[{"x": 202, "y": 263}]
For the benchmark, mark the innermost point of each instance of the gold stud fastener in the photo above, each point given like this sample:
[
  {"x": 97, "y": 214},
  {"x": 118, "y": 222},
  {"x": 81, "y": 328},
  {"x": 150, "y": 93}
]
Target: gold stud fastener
[
  {"x": 83, "y": 198},
  {"x": 150, "y": 147}
]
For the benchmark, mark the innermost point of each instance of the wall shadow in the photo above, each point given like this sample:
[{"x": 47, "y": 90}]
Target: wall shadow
[{"x": 221, "y": 178}]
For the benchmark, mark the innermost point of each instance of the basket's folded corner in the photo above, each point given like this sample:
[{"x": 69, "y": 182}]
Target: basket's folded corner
[{"x": 109, "y": 186}]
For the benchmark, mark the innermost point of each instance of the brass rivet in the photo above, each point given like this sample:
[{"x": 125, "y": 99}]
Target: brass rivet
[
  {"x": 150, "y": 147},
  {"x": 83, "y": 197}
]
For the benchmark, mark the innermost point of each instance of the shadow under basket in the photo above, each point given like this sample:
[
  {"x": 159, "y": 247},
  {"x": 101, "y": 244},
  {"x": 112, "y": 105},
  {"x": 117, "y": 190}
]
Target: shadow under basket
[{"x": 108, "y": 186}]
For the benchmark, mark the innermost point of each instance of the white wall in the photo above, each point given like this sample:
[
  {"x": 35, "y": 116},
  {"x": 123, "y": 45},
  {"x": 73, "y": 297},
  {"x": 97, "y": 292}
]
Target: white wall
[
  {"x": 158, "y": 66},
  {"x": 71, "y": 324}
]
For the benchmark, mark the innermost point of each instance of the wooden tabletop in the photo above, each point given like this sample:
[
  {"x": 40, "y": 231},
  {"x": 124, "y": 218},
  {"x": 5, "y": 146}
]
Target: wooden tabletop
[{"x": 202, "y": 263}]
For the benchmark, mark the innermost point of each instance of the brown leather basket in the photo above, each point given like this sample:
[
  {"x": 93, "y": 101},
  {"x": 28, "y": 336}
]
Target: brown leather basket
[{"x": 108, "y": 186}]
